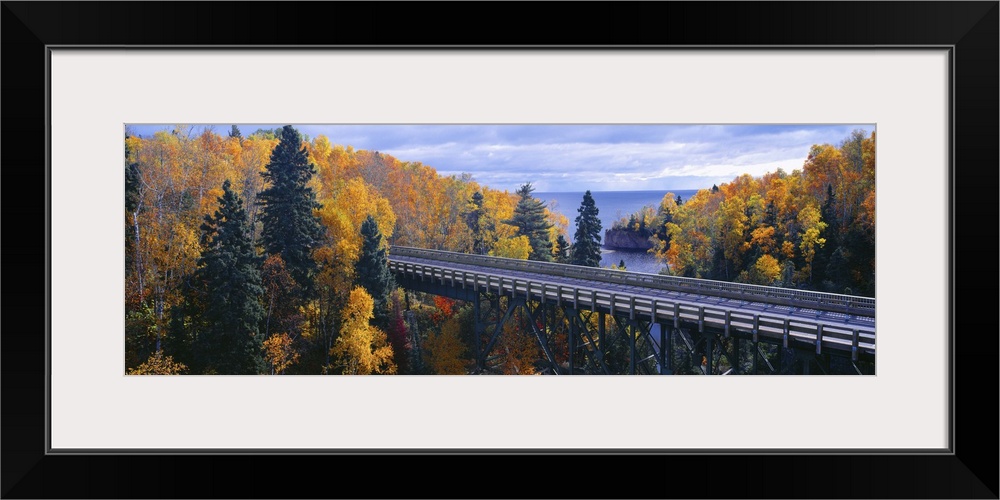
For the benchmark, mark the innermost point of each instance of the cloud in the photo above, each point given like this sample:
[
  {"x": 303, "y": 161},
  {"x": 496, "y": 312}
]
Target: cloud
[{"x": 579, "y": 157}]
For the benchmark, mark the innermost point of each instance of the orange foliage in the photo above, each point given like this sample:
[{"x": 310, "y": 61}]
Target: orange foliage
[
  {"x": 445, "y": 309},
  {"x": 158, "y": 364},
  {"x": 279, "y": 353},
  {"x": 444, "y": 352},
  {"x": 518, "y": 348}
]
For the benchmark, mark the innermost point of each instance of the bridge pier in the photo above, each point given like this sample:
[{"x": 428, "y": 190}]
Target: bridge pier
[
  {"x": 665, "y": 352},
  {"x": 573, "y": 332}
]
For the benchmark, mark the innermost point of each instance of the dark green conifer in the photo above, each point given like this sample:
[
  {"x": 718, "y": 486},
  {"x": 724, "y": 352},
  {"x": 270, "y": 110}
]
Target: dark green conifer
[
  {"x": 587, "y": 240},
  {"x": 529, "y": 218},
  {"x": 291, "y": 229},
  {"x": 472, "y": 219},
  {"x": 372, "y": 271},
  {"x": 561, "y": 251},
  {"x": 228, "y": 278}
]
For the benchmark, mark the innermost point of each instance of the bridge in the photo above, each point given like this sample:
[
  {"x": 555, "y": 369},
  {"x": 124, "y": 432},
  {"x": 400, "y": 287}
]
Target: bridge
[{"x": 653, "y": 316}]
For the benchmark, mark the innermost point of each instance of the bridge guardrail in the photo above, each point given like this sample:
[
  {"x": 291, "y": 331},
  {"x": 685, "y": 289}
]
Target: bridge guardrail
[
  {"x": 823, "y": 334},
  {"x": 848, "y": 304}
]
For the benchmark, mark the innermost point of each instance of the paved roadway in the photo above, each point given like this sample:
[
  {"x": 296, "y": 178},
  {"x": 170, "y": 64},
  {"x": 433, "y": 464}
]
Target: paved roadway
[{"x": 736, "y": 305}]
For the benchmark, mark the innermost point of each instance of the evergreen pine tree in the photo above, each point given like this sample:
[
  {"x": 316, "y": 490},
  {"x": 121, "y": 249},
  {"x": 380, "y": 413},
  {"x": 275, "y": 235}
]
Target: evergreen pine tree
[
  {"x": 228, "y": 276},
  {"x": 770, "y": 214},
  {"x": 372, "y": 271},
  {"x": 529, "y": 218},
  {"x": 822, "y": 269},
  {"x": 290, "y": 226},
  {"x": 562, "y": 250},
  {"x": 235, "y": 132},
  {"x": 587, "y": 240},
  {"x": 132, "y": 200},
  {"x": 472, "y": 219}
]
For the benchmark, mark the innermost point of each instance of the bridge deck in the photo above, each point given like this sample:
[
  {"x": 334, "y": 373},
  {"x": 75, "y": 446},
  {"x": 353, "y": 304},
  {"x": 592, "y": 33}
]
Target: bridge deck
[{"x": 801, "y": 323}]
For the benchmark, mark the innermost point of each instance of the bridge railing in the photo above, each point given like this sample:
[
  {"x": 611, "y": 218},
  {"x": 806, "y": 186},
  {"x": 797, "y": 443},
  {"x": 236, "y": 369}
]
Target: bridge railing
[
  {"x": 784, "y": 329},
  {"x": 847, "y": 304}
]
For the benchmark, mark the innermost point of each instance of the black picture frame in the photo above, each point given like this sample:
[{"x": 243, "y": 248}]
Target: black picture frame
[{"x": 970, "y": 28}]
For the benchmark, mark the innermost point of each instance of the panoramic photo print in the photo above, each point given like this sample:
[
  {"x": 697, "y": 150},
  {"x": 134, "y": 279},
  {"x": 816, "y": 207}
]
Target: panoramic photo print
[{"x": 310, "y": 249}]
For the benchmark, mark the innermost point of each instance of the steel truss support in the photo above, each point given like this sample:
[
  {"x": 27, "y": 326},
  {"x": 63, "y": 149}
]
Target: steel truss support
[
  {"x": 499, "y": 311},
  {"x": 581, "y": 342},
  {"x": 629, "y": 344}
]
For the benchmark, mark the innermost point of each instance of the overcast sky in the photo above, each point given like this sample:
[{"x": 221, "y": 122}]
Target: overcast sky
[{"x": 580, "y": 157}]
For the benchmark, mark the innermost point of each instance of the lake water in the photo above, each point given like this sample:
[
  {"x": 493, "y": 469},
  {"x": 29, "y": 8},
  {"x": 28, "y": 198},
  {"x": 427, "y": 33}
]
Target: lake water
[{"x": 611, "y": 206}]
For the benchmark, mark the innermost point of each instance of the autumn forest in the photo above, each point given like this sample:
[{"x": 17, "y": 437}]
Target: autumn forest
[{"x": 266, "y": 251}]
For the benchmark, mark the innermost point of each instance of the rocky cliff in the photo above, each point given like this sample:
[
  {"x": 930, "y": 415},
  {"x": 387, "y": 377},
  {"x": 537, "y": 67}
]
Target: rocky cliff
[{"x": 617, "y": 239}]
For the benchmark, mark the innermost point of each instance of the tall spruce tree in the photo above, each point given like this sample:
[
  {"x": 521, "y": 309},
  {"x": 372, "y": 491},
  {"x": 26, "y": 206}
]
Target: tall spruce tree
[
  {"x": 472, "y": 219},
  {"x": 228, "y": 276},
  {"x": 561, "y": 251},
  {"x": 587, "y": 240},
  {"x": 372, "y": 271},
  {"x": 822, "y": 269},
  {"x": 529, "y": 219},
  {"x": 290, "y": 227},
  {"x": 132, "y": 201}
]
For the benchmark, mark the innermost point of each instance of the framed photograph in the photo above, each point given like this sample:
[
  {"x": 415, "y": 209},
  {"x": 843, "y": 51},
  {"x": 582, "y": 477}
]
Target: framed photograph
[{"x": 921, "y": 77}]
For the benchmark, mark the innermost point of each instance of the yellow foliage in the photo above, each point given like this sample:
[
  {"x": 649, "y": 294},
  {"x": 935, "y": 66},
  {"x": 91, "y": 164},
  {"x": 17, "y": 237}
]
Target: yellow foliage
[
  {"x": 497, "y": 206},
  {"x": 767, "y": 269},
  {"x": 821, "y": 169},
  {"x": 311, "y": 313},
  {"x": 518, "y": 247},
  {"x": 279, "y": 352},
  {"x": 867, "y": 215},
  {"x": 763, "y": 237},
  {"x": 788, "y": 249},
  {"x": 732, "y": 222},
  {"x": 809, "y": 219},
  {"x": 668, "y": 204},
  {"x": 345, "y": 212},
  {"x": 158, "y": 364},
  {"x": 443, "y": 352},
  {"x": 361, "y": 349},
  {"x": 742, "y": 188},
  {"x": 812, "y": 226},
  {"x": 559, "y": 223},
  {"x": 518, "y": 348}
]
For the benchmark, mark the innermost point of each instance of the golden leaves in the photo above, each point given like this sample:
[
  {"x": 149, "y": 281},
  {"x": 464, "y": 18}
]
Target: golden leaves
[
  {"x": 279, "y": 352},
  {"x": 361, "y": 349},
  {"x": 158, "y": 364},
  {"x": 343, "y": 214},
  {"x": 518, "y": 247},
  {"x": 767, "y": 270},
  {"x": 444, "y": 352}
]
